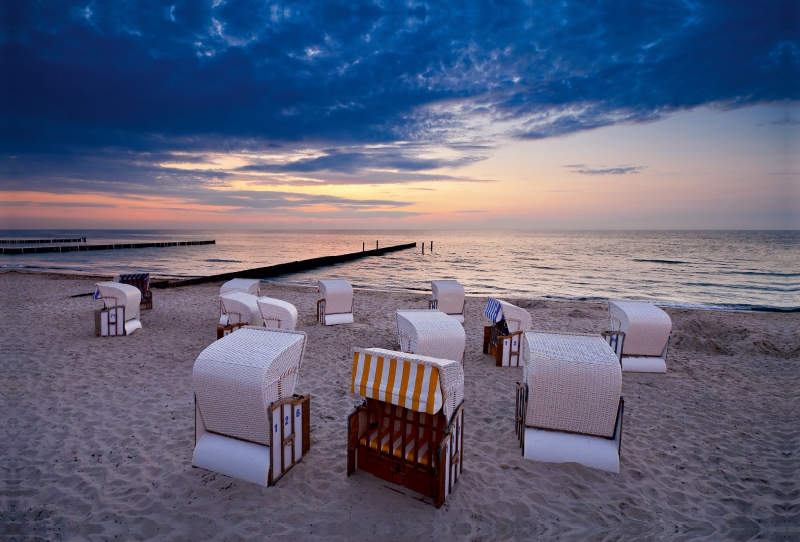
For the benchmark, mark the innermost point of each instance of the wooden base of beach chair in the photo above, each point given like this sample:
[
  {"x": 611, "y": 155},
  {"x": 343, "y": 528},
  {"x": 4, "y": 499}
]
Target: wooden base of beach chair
[
  {"x": 505, "y": 349},
  {"x": 253, "y": 462},
  {"x": 110, "y": 321},
  {"x": 419, "y": 451},
  {"x": 147, "y": 300},
  {"x": 223, "y": 331},
  {"x": 551, "y": 446}
]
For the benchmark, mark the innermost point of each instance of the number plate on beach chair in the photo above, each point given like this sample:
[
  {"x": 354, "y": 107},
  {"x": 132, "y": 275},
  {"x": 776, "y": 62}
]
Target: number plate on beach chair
[{"x": 290, "y": 440}]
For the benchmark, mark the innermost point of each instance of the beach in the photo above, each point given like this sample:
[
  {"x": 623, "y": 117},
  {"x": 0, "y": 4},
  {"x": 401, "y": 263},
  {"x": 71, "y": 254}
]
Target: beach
[{"x": 98, "y": 433}]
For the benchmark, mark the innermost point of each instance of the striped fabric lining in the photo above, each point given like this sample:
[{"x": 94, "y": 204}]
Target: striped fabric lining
[
  {"x": 399, "y": 382},
  {"x": 493, "y": 309}
]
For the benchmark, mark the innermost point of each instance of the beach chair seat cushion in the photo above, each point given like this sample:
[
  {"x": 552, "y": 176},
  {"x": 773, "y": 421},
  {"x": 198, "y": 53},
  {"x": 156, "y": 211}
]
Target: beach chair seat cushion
[
  {"x": 430, "y": 333},
  {"x": 277, "y": 313},
  {"x": 241, "y": 308},
  {"x": 646, "y": 327},
  {"x": 574, "y": 381}
]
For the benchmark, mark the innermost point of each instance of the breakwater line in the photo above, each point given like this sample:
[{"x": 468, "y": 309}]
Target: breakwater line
[
  {"x": 282, "y": 268},
  {"x": 40, "y": 241},
  {"x": 113, "y": 246}
]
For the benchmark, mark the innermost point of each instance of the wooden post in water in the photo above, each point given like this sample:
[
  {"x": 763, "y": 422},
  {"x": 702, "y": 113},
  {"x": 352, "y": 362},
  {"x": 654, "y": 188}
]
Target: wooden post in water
[
  {"x": 363, "y": 248},
  {"x": 431, "y": 247},
  {"x": 376, "y": 245},
  {"x": 423, "y": 248}
]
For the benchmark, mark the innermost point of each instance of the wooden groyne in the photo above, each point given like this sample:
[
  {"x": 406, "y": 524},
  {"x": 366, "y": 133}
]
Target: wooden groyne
[
  {"x": 282, "y": 268},
  {"x": 114, "y": 246},
  {"x": 40, "y": 241}
]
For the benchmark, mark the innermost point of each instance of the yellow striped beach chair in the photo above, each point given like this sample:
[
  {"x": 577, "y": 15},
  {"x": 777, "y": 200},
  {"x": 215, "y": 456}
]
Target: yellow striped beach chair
[{"x": 409, "y": 429}]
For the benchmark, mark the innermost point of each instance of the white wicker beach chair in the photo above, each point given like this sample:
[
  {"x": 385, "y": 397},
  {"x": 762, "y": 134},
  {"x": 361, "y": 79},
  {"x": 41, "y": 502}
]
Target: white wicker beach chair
[
  {"x": 430, "y": 333},
  {"x": 503, "y": 339},
  {"x": 277, "y": 314},
  {"x": 647, "y": 329},
  {"x": 241, "y": 308},
  {"x": 448, "y": 297},
  {"x": 569, "y": 404},
  {"x": 120, "y": 312},
  {"x": 335, "y": 304},
  {"x": 248, "y": 286},
  {"x": 249, "y": 424},
  {"x": 409, "y": 428}
]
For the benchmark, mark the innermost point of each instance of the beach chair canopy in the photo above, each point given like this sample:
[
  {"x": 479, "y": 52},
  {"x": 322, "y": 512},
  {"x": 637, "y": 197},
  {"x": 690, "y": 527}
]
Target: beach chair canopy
[
  {"x": 248, "y": 286},
  {"x": 115, "y": 293},
  {"x": 449, "y": 295},
  {"x": 516, "y": 318},
  {"x": 277, "y": 313},
  {"x": 574, "y": 383},
  {"x": 236, "y": 379},
  {"x": 338, "y": 296},
  {"x": 646, "y": 327},
  {"x": 134, "y": 279},
  {"x": 241, "y": 308},
  {"x": 419, "y": 383},
  {"x": 430, "y": 333}
]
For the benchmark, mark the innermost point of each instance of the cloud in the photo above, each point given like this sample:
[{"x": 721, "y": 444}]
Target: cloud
[
  {"x": 121, "y": 80},
  {"x": 620, "y": 170},
  {"x": 786, "y": 121}
]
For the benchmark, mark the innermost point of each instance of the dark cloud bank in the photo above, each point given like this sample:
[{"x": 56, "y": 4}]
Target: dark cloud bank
[{"x": 100, "y": 92}]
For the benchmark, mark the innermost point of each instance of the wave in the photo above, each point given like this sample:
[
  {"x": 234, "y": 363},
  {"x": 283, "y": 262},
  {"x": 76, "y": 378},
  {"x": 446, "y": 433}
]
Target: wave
[
  {"x": 669, "y": 262},
  {"x": 217, "y": 260}
]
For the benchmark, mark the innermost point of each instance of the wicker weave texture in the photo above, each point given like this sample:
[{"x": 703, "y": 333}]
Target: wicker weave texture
[
  {"x": 574, "y": 383},
  {"x": 450, "y": 378},
  {"x": 237, "y": 377},
  {"x": 517, "y": 318},
  {"x": 121, "y": 294},
  {"x": 247, "y": 286},
  {"x": 241, "y": 307},
  {"x": 277, "y": 313},
  {"x": 430, "y": 333},
  {"x": 338, "y": 296},
  {"x": 646, "y": 327},
  {"x": 449, "y": 295}
]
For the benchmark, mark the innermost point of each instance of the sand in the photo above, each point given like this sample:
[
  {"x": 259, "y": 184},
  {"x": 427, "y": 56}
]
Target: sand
[{"x": 97, "y": 433}]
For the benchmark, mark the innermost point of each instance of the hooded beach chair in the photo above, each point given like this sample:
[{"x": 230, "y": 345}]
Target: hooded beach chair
[
  {"x": 647, "y": 329},
  {"x": 448, "y": 297},
  {"x": 569, "y": 403},
  {"x": 503, "y": 339},
  {"x": 409, "y": 429},
  {"x": 238, "y": 310},
  {"x": 335, "y": 304},
  {"x": 430, "y": 333},
  {"x": 142, "y": 282},
  {"x": 247, "y": 286},
  {"x": 120, "y": 312},
  {"x": 249, "y": 424},
  {"x": 277, "y": 314}
]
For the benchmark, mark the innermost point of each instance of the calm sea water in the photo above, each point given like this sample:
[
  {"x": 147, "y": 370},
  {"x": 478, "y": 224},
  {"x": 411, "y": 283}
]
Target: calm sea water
[{"x": 735, "y": 269}]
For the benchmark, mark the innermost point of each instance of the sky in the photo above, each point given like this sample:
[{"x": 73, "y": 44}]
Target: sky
[{"x": 609, "y": 114}]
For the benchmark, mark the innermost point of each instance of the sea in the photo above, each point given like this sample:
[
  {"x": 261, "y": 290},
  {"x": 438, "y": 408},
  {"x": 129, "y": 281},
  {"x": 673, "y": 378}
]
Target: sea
[{"x": 744, "y": 270}]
